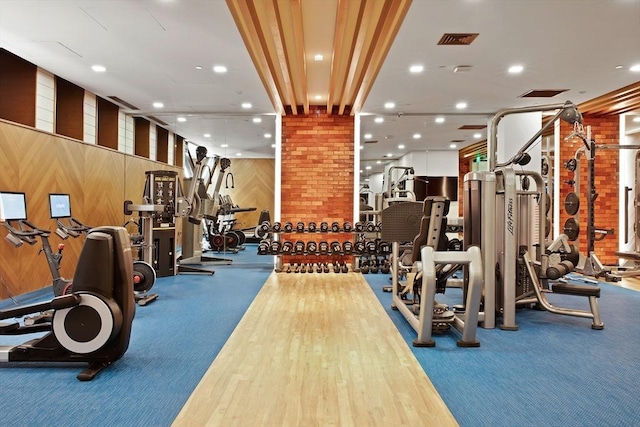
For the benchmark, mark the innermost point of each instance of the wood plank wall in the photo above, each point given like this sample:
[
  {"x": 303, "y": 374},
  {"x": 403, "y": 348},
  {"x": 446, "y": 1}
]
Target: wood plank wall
[
  {"x": 98, "y": 180},
  {"x": 254, "y": 187}
]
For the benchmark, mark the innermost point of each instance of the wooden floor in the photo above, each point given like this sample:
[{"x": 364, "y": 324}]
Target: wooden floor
[{"x": 315, "y": 350}]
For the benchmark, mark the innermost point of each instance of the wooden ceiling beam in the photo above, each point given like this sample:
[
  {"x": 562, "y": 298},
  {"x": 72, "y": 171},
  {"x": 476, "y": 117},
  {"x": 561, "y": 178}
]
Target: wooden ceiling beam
[
  {"x": 337, "y": 78},
  {"x": 280, "y": 58},
  {"x": 300, "y": 55},
  {"x": 249, "y": 29}
]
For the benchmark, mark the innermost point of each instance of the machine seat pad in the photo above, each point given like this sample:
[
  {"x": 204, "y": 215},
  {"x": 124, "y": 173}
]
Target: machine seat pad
[
  {"x": 6, "y": 326},
  {"x": 579, "y": 290},
  {"x": 629, "y": 255}
]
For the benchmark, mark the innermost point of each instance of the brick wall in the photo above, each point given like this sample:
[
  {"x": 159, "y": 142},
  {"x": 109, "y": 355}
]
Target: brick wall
[
  {"x": 604, "y": 130},
  {"x": 317, "y": 175}
]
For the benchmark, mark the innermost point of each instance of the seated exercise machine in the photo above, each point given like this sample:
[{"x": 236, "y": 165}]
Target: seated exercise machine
[
  {"x": 434, "y": 265},
  {"x": 504, "y": 214},
  {"x": 90, "y": 325},
  {"x": 144, "y": 276}
]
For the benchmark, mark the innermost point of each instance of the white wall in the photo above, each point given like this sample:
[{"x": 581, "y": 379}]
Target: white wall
[
  {"x": 514, "y": 131},
  {"x": 90, "y": 125},
  {"x": 45, "y": 100},
  {"x": 628, "y": 179}
]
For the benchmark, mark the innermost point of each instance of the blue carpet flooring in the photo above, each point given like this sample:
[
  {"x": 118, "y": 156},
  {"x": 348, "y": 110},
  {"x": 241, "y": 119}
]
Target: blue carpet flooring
[
  {"x": 554, "y": 371},
  {"x": 173, "y": 342}
]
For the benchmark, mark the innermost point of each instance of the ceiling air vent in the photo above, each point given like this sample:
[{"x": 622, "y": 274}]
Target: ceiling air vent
[
  {"x": 123, "y": 102},
  {"x": 157, "y": 120},
  {"x": 370, "y": 142},
  {"x": 457, "y": 140},
  {"x": 472, "y": 127},
  {"x": 542, "y": 93},
  {"x": 457, "y": 39}
]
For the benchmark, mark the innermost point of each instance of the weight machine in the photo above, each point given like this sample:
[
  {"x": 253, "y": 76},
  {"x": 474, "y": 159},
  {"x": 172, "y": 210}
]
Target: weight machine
[{"x": 504, "y": 216}]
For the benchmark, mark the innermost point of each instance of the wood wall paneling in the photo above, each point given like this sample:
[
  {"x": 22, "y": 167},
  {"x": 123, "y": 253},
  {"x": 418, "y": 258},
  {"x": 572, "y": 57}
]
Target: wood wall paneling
[
  {"x": 17, "y": 89},
  {"x": 178, "y": 153},
  {"x": 97, "y": 180},
  {"x": 69, "y": 109},
  {"x": 254, "y": 187},
  {"x": 107, "y": 124},
  {"x": 141, "y": 137},
  {"x": 162, "y": 144}
]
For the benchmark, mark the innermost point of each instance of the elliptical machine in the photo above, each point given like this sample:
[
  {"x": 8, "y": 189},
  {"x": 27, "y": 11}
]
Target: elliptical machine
[
  {"x": 90, "y": 325},
  {"x": 144, "y": 276}
]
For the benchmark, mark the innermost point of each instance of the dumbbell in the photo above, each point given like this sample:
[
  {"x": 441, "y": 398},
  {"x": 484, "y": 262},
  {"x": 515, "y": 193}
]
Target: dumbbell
[
  {"x": 345, "y": 267},
  {"x": 379, "y": 226},
  {"x": 336, "y": 248},
  {"x": 335, "y": 227},
  {"x": 385, "y": 268},
  {"x": 324, "y": 227},
  {"x": 370, "y": 227},
  {"x": 325, "y": 267},
  {"x": 384, "y": 248},
  {"x": 312, "y": 247},
  {"x": 288, "y": 227},
  {"x": 300, "y": 227},
  {"x": 346, "y": 227},
  {"x": 372, "y": 246},
  {"x": 298, "y": 248},
  {"x": 347, "y": 247},
  {"x": 360, "y": 247},
  {"x": 263, "y": 247},
  {"x": 277, "y": 227},
  {"x": 274, "y": 248},
  {"x": 364, "y": 266},
  {"x": 287, "y": 248},
  {"x": 359, "y": 227},
  {"x": 311, "y": 228},
  {"x": 323, "y": 247},
  {"x": 374, "y": 264},
  {"x": 263, "y": 229}
]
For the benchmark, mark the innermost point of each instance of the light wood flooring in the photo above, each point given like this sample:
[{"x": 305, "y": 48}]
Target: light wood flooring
[{"x": 315, "y": 350}]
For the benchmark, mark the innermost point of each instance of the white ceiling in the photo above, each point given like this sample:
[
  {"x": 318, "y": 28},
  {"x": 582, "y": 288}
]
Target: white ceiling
[{"x": 151, "y": 49}]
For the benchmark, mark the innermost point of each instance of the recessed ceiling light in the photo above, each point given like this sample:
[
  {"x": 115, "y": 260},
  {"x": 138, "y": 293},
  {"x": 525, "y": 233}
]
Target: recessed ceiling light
[
  {"x": 368, "y": 167},
  {"x": 401, "y": 147},
  {"x": 416, "y": 69},
  {"x": 367, "y": 180},
  {"x": 267, "y": 135},
  {"x": 379, "y": 120},
  {"x": 238, "y": 154},
  {"x": 361, "y": 147},
  {"x": 515, "y": 69},
  {"x": 636, "y": 119},
  {"x": 635, "y": 68},
  {"x": 389, "y": 105},
  {"x": 207, "y": 135},
  {"x": 246, "y": 105},
  {"x": 361, "y": 171},
  {"x": 618, "y": 67},
  {"x": 318, "y": 97},
  {"x": 99, "y": 68},
  {"x": 273, "y": 145},
  {"x": 182, "y": 119},
  {"x": 367, "y": 136},
  {"x": 461, "y": 105},
  {"x": 318, "y": 57},
  {"x": 158, "y": 105},
  {"x": 378, "y": 162},
  {"x": 257, "y": 120},
  {"x": 224, "y": 145},
  {"x": 452, "y": 145},
  {"x": 477, "y": 135},
  {"x": 416, "y": 136},
  {"x": 439, "y": 119},
  {"x": 389, "y": 155},
  {"x": 219, "y": 69}
]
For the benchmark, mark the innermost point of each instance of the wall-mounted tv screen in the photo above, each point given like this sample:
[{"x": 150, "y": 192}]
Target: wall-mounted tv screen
[
  {"x": 59, "y": 206},
  {"x": 445, "y": 186},
  {"x": 13, "y": 206}
]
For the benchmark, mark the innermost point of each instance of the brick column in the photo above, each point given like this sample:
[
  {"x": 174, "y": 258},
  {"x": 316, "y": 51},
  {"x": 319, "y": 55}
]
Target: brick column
[
  {"x": 317, "y": 175},
  {"x": 604, "y": 130}
]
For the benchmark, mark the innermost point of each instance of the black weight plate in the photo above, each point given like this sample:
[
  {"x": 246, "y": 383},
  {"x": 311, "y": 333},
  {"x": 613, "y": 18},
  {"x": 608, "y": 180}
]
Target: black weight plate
[
  {"x": 145, "y": 275},
  {"x": 571, "y": 229},
  {"x": 571, "y": 164},
  {"x": 572, "y": 203}
]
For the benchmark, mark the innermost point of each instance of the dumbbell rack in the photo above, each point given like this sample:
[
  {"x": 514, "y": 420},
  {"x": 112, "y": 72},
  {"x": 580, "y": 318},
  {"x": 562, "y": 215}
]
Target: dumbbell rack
[{"x": 321, "y": 252}]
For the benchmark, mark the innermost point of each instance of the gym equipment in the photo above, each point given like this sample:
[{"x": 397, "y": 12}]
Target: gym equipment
[
  {"x": 323, "y": 247},
  {"x": 324, "y": 227},
  {"x": 300, "y": 227},
  {"x": 287, "y": 248},
  {"x": 144, "y": 276},
  {"x": 92, "y": 324},
  {"x": 396, "y": 190},
  {"x": 277, "y": 227},
  {"x": 312, "y": 227},
  {"x": 572, "y": 203},
  {"x": 264, "y": 247},
  {"x": 347, "y": 247},
  {"x": 312, "y": 247},
  {"x": 500, "y": 218},
  {"x": 274, "y": 247},
  {"x": 425, "y": 225},
  {"x": 359, "y": 227},
  {"x": 263, "y": 229},
  {"x": 346, "y": 227},
  {"x": 298, "y": 248},
  {"x": 571, "y": 229},
  {"x": 336, "y": 248},
  {"x": 288, "y": 227},
  {"x": 335, "y": 227}
]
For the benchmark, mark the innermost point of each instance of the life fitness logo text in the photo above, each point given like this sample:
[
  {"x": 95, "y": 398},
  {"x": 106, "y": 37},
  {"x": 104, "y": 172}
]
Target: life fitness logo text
[{"x": 510, "y": 216}]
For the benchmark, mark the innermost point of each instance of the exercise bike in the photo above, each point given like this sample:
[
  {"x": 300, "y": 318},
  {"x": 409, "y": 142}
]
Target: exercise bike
[{"x": 93, "y": 323}]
